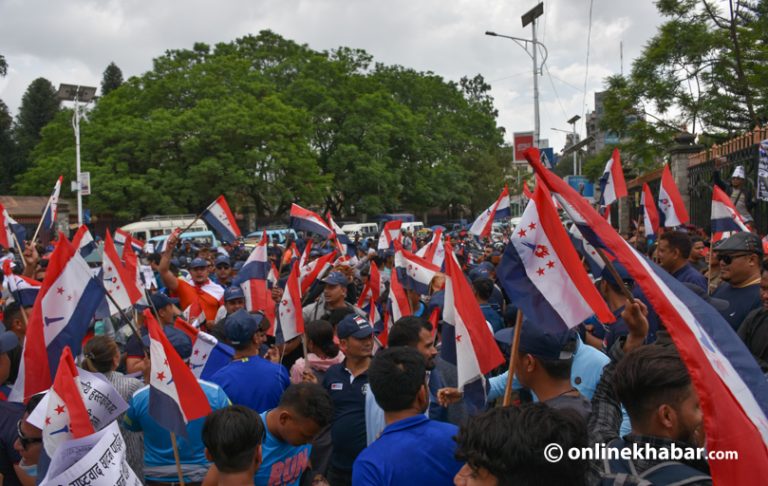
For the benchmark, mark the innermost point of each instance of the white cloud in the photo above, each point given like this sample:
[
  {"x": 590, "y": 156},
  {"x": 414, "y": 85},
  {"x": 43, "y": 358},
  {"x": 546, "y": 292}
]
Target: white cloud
[{"x": 73, "y": 41}]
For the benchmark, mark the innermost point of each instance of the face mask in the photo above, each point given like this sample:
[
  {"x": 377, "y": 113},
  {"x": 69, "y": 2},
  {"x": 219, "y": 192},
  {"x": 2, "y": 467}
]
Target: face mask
[{"x": 29, "y": 470}]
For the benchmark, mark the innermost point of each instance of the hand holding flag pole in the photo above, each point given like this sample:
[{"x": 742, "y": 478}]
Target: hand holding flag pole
[
  {"x": 611, "y": 268},
  {"x": 512, "y": 358}
]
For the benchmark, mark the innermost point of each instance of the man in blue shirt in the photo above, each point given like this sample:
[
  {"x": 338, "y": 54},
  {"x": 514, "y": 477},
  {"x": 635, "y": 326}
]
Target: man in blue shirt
[
  {"x": 249, "y": 379},
  {"x": 740, "y": 257},
  {"x": 412, "y": 449},
  {"x": 673, "y": 252},
  {"x": 159, "y": 463},
  {"x": 347, "y": 382},
  {"x": 289, "y": 429},
  {"x": 483, "y": 288}
]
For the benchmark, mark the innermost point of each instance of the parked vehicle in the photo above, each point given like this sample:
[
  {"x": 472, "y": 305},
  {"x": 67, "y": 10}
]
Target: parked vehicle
[
  {"x": 199, "y": 239},
  {"x": 412, "y": 226},
  {"x": 365, "y": 230},
  {"x": 152, "y": 226},
  {"x": 281, "y": 234}
]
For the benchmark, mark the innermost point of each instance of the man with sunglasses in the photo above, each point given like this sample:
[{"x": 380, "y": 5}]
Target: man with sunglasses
[
  {"x": 740, "y": 257},
  {"x": 223, "y": 273},
  {"x": 20, "y": 442}
]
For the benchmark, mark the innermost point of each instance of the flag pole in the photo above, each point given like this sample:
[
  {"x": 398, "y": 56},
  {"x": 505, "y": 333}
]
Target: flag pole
[
  {"x": 176, "y": 457},
  {"x": 616, "y": 276},
  {"x": 196, "y": 218},
  {"x": 709, "y": 270},
  {"x": 42, "y": 217},
  {"x": 18, "y": 247},
  {"x": 512, "y": 358}
]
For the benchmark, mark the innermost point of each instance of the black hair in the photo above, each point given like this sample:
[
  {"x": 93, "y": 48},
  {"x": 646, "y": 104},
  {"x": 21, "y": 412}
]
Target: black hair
[
  {"x": 33, "y": 402},
  {"x": 696, "y": 239},
  {"x": 649, "y": 377},
  {"x": 320, "y": 333},
  {"x": 483, "y": 287},
  {"x": 310, "y": 401},
  {"x": 232, "y": 435},
  {"x": 11, "y": 312},
  {"x": 396, "y": 375},
  {"x": 154, "y": 258},
  {"x": 559, "y": 368},
  {"x": 509, "y": 443},
  {"x": 405, "y": 332},
  {"x": 99, "y": 353},
  {"x": 336, "y": 315},
  {"x": 677, "y": 240}
]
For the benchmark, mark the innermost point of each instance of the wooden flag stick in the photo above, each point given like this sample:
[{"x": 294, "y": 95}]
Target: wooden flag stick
[
  {"x": 176, "y": 456},
  {"x": 616, "y": 276},
  {"x": 40, "y": 224},
  {"x": 18, "y": 247},
  {"x": 512, "y": 358}
]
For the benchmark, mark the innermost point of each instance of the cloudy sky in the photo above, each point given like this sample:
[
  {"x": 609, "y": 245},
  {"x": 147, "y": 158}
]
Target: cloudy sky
[{"x": 72, "y": 41}]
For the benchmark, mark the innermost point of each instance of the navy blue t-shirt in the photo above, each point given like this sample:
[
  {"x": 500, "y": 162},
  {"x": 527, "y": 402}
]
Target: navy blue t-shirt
[
  {"x": 348, "y": 427},
  {"x": 743, "y": 300},
  {"x": 688, "y": 274}
]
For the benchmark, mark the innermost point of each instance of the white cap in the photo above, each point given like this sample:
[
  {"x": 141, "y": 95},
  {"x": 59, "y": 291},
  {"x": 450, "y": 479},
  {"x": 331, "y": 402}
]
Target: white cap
[{"x": 738, "y": 172}]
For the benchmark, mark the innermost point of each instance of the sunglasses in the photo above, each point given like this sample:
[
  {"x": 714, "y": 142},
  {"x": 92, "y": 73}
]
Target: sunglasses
[
  {"x": 223, "y": 266},
  {"x": 23, "y": 439},
  {"x": 727, "y": 259}
]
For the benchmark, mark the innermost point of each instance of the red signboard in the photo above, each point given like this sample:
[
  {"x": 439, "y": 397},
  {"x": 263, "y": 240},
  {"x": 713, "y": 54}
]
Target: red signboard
[{"x": 522, "y": 141}]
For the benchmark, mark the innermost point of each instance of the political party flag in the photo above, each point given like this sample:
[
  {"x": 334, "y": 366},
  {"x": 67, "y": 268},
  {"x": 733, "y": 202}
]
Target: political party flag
[
  {"x": 343, "y": 243},
  {"x": 314, "y": 269},
  {"x": 306, "y": 220},
  {"x": 498, "y": 210},
  {"x": 66, "y": 417},
  {"x": 209, "y": 354},
  {"x": 413, "y": 272},
  {"x": 124, "y": 238},
  {"x": 371, "y": 294},
  {"x": 134, "y": 273},
  {"x": 434, "y": 251},
  {"x": 83, "y": 241},
  {"x": 175, "y": 396},
  {"x": 612, "y": 185},
  {"x": 476, "y": 350},
  {"x": 389, "y": 233},
  {"x": 118, "y": 282},
  {"x": 587, "y": 251},
  {"x": 725, "y": 218},
  {"x": 672, "y": 209},
  {"x": 650, "y": 212},
  {"x": 10, "y": 229},
  {"x": 527, "y": 190},
  {"x": 51, "y": 211},
  {"x": 290, "y": 318},
  {"x": 542, "y": 273},
  {"x": 68, "y": 298},
  {"x": 23, "y": 289},
  {"x": 726, "y": 377},
  {"x": 220, "y": 218},
  {"x": 397, "y": 306},
  {"x": 252, "y": 278}
]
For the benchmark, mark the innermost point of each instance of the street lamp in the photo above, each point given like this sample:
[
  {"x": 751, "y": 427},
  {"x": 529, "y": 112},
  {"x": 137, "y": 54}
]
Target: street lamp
[
  {"x": 530, "y": 18},
  {"x": 84, "y": 95}
]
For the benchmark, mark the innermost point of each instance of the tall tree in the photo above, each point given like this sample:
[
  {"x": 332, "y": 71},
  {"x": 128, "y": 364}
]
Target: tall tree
[
  {"x": 7, "y": 149},
  {"x": 39, "y": 106},
  {"x": 3, "y": 66},
  {"x": 111, "y": 79}
]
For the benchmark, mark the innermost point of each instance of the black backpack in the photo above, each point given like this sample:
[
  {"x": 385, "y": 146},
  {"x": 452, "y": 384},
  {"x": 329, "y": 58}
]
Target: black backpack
[{"x": 619, "y": 472}]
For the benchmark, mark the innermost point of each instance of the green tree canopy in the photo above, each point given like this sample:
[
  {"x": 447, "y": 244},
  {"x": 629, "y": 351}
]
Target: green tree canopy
[
  {"x": 39, "y": 106},
  {"x": 111, "y": 79},
  {"x": 269, "y": 122}
]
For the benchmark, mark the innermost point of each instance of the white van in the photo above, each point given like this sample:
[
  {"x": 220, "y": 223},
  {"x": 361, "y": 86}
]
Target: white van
[
  {"x": 366, "y": 230},
  {"x": 152, "y": 226},
  {"x": 412, "y": 227}
]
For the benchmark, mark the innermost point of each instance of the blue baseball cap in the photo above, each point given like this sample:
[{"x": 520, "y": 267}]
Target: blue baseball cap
[
  {"x": 221, "y": 260},
  {"x": 180, "y": 341},
  {"x": 539, "y": 341},
  {"x": 336, "y": 278},
  {"x": 198, "y": 262},
  {"x": 354, "y": 326},
  {"x": 160, "y": 300},
  {"x": 233, "y": 292},
  {"x": 240, "y": 326},
  {"x": 621, "y": 270}
]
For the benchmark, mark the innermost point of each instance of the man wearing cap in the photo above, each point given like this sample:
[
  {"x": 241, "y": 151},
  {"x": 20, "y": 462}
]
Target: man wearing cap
[
  {"x": 740, "y": 258},
  {"x": 347, "y": 382},
  {"x": 223, "y": 272},
  {"x": 739, "y": 191},
  {"x": 673, "y": 252},
  {"x": 16, "y": 324},
  {"x": 249, "y": 379},
  {"x": 198, "y": 293},
  {"x": 334, "y": 297},
  {"x": 234, "y": 300},
  {"x": 166, "y": 316}
]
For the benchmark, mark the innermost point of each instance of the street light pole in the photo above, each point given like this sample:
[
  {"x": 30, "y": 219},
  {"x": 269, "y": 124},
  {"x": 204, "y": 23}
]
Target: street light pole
[
  {"x": 572, "y": 122},
  {"x": 530, "y": 18},
  {"x": 77, "y": 94}
]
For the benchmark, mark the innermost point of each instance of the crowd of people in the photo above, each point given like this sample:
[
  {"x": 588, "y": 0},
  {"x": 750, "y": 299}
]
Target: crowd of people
[{"x": 337, "y": 407}]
